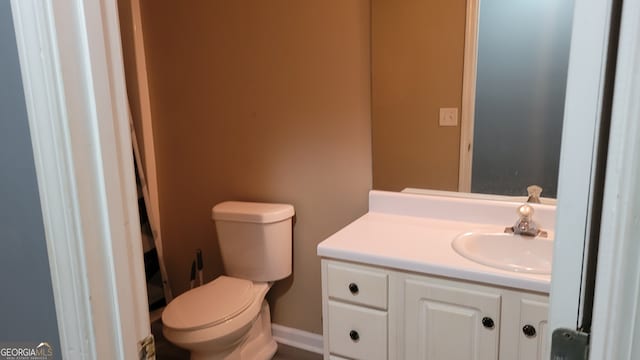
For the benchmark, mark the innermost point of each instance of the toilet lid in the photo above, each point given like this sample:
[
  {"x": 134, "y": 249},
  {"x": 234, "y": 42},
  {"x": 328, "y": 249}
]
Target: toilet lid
[{"x": 210, "y": 304}]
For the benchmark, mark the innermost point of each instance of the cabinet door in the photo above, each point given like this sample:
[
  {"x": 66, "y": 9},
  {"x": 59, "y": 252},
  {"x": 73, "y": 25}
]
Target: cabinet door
[
  {"x": 446, "y": 322},
  {"x": 532, "y": 344}
]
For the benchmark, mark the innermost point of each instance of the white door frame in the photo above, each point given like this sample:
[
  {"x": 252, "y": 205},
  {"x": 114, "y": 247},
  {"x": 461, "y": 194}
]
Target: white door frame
[
  {"x": 616, "y": 317},
  {"x": 615, "y": 331},
  {"x": 582, "y": 116},
  {"x": 72, "y": 71}
]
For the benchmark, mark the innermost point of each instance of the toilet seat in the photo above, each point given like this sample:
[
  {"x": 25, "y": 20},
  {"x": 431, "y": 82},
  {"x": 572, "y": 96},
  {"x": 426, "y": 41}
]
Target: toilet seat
[{"x": 209, "y": 305}]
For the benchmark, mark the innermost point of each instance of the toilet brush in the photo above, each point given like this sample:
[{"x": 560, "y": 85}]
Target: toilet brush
[{"x": 193, "y": 274}]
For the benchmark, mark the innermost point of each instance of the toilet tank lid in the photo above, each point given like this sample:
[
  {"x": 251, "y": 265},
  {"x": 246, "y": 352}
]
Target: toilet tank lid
[{"x": 254, "y": 212}]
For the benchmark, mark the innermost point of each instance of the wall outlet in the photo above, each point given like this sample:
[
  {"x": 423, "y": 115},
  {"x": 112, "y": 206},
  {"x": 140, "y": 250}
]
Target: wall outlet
[{"x": 448, "y": 116}]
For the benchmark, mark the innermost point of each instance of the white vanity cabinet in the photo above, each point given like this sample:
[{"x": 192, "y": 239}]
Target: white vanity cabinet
[{"x": 378, "y": 313}]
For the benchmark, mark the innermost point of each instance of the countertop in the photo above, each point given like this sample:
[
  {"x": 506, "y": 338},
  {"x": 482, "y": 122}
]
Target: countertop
[{"x": 422, "y": 244}]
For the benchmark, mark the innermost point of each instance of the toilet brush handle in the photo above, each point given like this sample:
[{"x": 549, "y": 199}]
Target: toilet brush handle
[
  {"x": 193, "y": 274},
  {"x": 200, "y": 265}
]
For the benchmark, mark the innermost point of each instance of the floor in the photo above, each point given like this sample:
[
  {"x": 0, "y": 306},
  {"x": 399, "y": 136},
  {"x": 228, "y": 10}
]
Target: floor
[
  {"x": 167, "y": 351},
  {"x": 290, "y": 353}
]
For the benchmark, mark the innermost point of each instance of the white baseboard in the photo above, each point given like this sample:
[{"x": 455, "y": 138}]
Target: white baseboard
[{"x": 297, "y": 338}]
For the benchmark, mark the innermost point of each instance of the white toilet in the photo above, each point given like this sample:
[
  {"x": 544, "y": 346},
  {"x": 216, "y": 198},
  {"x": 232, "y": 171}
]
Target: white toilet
[{"x": 228, "y": 318}]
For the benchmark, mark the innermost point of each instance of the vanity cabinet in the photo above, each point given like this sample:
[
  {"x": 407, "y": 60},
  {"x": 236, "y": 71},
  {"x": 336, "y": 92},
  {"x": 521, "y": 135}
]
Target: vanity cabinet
[{"x": 378, "y": 313}]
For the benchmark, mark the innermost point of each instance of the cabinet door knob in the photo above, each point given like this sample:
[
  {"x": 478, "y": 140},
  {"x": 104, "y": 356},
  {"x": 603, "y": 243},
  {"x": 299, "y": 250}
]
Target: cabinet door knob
[
  {"x": 488, "y": 322},
  {"x": 354, "y": 335},
  {"x": 529, "y": 330},
  {"x": 353, "y": 287}
]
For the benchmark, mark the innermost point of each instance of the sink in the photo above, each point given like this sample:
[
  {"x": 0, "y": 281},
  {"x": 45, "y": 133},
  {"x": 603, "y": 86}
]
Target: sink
[{"x": 506, "y": 251}]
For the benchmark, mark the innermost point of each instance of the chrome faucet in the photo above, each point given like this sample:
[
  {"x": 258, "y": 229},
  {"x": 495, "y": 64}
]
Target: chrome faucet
[
  {"x": 533, "y": 192},
  {"x": 525, "y": 224}
]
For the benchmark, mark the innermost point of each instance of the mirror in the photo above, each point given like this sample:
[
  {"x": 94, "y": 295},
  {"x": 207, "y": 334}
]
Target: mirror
[{"x": 512, "y": 104}]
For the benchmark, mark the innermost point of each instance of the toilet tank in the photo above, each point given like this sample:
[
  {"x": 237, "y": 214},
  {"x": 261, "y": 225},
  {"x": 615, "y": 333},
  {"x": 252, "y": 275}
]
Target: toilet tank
[{"x": 255, "y": 239}]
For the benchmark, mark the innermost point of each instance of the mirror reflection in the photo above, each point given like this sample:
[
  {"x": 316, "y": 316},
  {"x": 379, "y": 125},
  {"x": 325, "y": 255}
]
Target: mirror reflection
[{"x": 514, "y": 79}]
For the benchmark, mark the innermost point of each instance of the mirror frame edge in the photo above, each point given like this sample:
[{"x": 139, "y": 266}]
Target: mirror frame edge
[{"x": 468, "y": 95}]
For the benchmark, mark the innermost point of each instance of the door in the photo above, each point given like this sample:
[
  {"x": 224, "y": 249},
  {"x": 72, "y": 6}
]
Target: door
[{"x": 446, "y": 322}]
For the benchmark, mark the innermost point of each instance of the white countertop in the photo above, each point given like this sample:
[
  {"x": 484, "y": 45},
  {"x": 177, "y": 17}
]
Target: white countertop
[{"x": 382, "y": 237}]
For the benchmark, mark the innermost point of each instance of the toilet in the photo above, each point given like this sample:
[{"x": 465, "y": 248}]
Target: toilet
[{"x": 228, "y": 318}]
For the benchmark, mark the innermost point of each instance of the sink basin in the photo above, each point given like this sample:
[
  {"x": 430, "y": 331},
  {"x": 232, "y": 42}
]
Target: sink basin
[{"x": 507, "y": 251}]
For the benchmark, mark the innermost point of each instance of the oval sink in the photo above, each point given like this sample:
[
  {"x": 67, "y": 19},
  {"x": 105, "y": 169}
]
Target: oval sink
[{"x": 507, "y": 251}]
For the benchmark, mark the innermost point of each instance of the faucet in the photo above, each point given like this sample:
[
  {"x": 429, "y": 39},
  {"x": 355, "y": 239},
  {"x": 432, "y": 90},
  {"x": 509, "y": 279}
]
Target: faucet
[
  {"x": 525, "y": 224},
  {"x": 533, "y": 192}
]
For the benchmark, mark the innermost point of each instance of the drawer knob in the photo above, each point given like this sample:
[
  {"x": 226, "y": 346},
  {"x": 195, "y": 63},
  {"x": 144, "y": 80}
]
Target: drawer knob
[
  {"x": 529, "y": 330},
  {"x": 354, "y": 335},
  {"x": 353, "y": 287},
  {"x": 487, "y": 322}
]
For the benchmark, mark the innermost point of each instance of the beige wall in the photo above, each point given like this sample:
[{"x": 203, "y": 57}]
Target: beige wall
[
  {"x": 417, "y": 63},
  {"x": 261, "y": 101}
]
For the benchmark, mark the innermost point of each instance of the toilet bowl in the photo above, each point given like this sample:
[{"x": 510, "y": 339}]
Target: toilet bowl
[{"x": 228, "y": 318}]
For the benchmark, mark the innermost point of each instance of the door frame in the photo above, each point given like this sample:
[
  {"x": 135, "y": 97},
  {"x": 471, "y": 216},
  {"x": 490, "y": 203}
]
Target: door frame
[
  {"x": 616, "y": 319},
  {"x": 72, "y": 71},
  {"x": 615, "y": 325},
  {"x": 578, "y": 156}
]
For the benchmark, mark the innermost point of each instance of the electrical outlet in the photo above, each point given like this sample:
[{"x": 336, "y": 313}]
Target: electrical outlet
[{"x": 448, "y": 116}]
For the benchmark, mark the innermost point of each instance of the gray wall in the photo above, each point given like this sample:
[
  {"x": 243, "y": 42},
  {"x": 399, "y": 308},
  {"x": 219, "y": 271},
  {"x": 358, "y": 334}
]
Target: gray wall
[
  {"x": 523, "y": 56},
  {"x": 27, "y": 312}
]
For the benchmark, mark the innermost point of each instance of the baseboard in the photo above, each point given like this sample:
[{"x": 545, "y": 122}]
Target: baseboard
[{"x": 297, "y": 338}]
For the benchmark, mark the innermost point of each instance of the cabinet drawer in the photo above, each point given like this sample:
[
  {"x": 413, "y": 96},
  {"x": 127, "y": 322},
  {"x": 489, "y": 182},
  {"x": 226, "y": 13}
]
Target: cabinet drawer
[
  {"x": 357, "y": 284},
  {"x": 357, "y": 332}
]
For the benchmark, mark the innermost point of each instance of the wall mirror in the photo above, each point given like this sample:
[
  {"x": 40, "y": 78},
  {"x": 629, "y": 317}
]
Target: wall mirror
[{"x": 501, "y": 65}]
